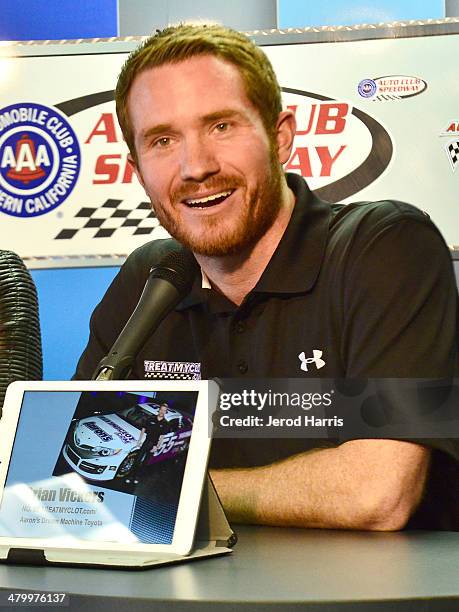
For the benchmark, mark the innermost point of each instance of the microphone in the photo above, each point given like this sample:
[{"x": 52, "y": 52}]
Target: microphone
[
  {"x": 20, "y": 336},
  {"x": 168, "y": 283}
]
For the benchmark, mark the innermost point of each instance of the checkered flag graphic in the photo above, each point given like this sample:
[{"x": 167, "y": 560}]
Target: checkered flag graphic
[
  {"x": 452, "y": 151},
  {"x": 113, "y": 215}
]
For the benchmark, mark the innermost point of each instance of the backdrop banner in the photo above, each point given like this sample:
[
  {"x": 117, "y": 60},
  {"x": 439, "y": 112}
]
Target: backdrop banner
[{"x": 377, "y": 118}]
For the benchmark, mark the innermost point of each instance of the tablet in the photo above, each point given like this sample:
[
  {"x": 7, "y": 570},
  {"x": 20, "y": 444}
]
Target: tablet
[{"x": 103, "y": 472}]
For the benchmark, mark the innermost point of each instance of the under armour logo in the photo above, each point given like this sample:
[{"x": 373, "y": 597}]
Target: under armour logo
[{"x": 316, "y": 358}]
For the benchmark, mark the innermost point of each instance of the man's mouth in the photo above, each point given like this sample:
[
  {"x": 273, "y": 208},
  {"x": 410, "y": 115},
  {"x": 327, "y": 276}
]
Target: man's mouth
[{"x": 208, "y": 201}]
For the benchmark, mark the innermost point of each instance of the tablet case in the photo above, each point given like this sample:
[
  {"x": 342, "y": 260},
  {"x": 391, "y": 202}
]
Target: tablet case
[{"x": 213, "y": 536}]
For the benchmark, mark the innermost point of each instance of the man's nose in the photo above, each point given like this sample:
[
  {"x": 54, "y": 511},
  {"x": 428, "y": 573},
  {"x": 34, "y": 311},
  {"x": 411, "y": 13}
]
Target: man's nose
[{"x": 198, "y": 160}]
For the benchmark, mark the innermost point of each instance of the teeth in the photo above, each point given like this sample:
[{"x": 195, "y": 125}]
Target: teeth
[{"x": 215, "y": 196}]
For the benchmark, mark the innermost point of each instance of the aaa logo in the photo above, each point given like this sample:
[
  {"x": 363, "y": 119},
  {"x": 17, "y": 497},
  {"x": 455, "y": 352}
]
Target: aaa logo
[{"x": 39, "y": 159}]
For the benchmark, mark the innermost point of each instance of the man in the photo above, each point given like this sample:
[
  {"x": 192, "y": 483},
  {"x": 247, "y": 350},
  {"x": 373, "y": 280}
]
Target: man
[
  {"x": 150, "y": 438},
  {"x": 283, "y": 274}
]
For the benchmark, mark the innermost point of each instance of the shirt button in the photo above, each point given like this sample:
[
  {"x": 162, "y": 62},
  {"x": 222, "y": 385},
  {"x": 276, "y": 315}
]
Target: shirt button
[
  {"x": 242, "y": 366},
  {"x": 240, "y": 327}
]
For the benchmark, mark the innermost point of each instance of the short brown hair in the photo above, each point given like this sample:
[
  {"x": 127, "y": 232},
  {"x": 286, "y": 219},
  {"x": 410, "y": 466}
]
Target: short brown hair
[{"x": 178, "y": 43}]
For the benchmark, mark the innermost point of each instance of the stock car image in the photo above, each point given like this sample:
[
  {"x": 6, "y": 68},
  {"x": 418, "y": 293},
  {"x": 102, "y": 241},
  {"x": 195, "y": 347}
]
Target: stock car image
[{"x": 103, "y": 447}]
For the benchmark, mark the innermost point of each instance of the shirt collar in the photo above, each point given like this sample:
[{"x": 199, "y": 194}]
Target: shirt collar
[
  {"x": 205, "y": 282},
  {"x": 295, "y": 265}
]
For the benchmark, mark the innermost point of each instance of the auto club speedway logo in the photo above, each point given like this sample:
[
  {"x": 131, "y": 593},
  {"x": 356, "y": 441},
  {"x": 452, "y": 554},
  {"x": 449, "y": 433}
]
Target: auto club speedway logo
[
  {"x": 39, "y": 159},
  {"x": 391, "y": 87},
  {"x": 338, "y": 149}
]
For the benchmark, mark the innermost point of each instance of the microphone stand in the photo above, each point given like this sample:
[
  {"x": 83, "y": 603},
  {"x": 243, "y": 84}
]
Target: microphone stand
[
  {"x": 113, "y": 367},
  {"x": 159, "y": 297}
]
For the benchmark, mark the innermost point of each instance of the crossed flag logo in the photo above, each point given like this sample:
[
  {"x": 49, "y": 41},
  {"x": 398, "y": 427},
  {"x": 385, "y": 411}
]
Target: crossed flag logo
[
  {"x": 452, "y": 151},
  {"x": 316, "y": 358}
]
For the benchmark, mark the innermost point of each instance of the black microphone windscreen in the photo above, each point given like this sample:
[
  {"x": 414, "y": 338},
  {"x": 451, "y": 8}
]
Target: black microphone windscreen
[
  {"x": 169, "y": 282},
  {"x": 179, "y": 267},
  {"x": 20, "y": 337}
]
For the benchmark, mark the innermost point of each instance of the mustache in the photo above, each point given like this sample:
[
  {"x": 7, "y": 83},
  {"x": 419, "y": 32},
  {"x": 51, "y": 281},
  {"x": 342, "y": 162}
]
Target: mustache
[{"x": 213, "y": 183}]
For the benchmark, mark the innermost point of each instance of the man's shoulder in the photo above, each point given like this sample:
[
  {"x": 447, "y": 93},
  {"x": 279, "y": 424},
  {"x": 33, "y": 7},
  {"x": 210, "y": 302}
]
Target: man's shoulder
[
  {"x": 377, "y": 212},
  {"x": 365, "y": 220},
  {"x": 383, "y": 234}
]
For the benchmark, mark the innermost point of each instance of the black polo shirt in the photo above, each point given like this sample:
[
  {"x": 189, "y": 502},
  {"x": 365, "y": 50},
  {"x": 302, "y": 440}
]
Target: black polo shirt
[
  {"x": 154, "y": 429},
  {"x": 369, "y": 285}
]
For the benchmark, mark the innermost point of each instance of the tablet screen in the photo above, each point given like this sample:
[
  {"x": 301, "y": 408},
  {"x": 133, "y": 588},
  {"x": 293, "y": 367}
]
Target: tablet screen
[{"x": 98, "y": 465}]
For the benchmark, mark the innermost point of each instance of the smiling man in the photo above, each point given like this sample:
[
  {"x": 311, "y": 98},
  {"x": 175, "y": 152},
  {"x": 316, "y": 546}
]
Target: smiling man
[
  {"x": 284, "y": 274},
  {"x": 212, "y": 171}
]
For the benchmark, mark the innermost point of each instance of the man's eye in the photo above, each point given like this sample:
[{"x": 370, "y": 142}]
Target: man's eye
[
  {"x": 222, "y": 126},
  {"x": 162, "y": 142}
]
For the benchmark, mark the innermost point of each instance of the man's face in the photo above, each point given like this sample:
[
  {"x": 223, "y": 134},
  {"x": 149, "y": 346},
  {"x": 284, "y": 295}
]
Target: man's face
[
  {"x": 162, "y": 410},
  {"x": 203, "y": 155}
]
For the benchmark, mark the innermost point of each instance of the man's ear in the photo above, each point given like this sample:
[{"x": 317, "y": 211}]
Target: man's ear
[
  {"x": 285, "y": 133},
  {"x": 135, "y": 168}
]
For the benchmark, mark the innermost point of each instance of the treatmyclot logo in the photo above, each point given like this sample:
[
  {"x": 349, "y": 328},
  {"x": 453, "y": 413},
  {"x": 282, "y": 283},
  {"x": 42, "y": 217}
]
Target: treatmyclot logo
[
  {"x": 176, "y": 370},
  {"x": 39, "y": 159}
]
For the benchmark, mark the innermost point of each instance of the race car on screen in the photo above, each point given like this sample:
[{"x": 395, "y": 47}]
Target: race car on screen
[{"x": 105, "y": 446}]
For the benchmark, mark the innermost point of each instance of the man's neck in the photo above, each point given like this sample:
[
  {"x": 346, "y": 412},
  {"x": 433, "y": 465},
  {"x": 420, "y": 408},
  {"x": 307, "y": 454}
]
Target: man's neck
[{"x": 236, "y": 275}]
